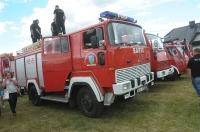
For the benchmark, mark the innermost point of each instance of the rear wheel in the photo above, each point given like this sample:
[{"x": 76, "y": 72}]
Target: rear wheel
[
  {"x": 88, "y": 103},
  {"x": 33, "y": 95}
]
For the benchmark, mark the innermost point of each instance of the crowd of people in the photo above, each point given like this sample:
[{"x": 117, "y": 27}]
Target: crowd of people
[{"x": 57, "y": 26}]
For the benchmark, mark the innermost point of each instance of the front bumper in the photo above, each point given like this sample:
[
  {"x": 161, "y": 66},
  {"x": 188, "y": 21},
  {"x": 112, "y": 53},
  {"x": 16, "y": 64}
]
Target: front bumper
[
  {"x": 130, "y": 88},
  {"x": 166, "y": 72}
]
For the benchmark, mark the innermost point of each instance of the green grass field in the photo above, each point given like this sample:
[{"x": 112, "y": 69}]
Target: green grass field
[{"x": 166, "y": 107}]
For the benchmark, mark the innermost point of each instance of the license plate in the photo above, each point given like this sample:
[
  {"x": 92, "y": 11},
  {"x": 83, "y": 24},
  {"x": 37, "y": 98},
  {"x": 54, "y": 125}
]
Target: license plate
[{"x": 141, "y": 89}]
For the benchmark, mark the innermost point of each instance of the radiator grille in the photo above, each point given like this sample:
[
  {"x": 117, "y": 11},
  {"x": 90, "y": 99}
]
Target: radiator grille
[{"x": 126, "y": 74}]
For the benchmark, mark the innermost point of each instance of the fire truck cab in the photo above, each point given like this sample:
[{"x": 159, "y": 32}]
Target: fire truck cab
[
  {"x": 160, "y": 64},
  {"x": 179, "y": 55},
  {"x": 89, "y": 67}
]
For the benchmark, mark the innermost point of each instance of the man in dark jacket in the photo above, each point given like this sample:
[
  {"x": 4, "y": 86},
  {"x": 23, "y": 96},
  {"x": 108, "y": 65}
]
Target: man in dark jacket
[
  {"x": 31, "y": 30},
  {"x": 193, "y": 69},
  {"x": 53, "y": 28},
  {"x": 59, "y": 17},
  {"x": 35, "y": 31}
]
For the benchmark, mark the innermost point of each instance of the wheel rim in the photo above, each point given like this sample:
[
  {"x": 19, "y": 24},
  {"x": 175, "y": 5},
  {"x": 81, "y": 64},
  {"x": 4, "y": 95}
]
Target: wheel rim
[{"x": 86, "y": 103}]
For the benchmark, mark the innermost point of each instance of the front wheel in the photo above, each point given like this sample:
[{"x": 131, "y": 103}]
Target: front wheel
[
  {"x": 88, "y": 103},
  {"x": 34, "y": 97},
  {"x": 172, "y": 77}
]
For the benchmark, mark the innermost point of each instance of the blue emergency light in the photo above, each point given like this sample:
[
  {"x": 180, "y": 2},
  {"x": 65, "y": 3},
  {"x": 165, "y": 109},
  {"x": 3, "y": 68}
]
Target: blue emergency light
[{"x": 112, "y": 15}]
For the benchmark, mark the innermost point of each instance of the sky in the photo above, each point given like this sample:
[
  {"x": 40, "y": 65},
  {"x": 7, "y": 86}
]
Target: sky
[{"x": 155, "y": 16}]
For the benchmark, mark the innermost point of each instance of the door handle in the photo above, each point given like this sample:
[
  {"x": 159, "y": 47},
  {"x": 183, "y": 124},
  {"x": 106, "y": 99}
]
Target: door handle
[{"x": 44, "y": 60}]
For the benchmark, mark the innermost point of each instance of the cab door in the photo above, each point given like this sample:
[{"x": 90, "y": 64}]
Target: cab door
[
  {"x": 93, "y": 55},
  {"x": 56, "y": 63},
  {"x": 178, "y": 59}
]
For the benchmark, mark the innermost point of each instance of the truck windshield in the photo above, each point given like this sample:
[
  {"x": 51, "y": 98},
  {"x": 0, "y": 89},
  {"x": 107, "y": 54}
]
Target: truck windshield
[
  {"x": 121, "y": 33},
  {"x": 155, "y": 41}
]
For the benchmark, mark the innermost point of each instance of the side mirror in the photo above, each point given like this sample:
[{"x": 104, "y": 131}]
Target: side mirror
[
  {"x": 102, "y": 45},
  {"x": 155, "y": 44}
]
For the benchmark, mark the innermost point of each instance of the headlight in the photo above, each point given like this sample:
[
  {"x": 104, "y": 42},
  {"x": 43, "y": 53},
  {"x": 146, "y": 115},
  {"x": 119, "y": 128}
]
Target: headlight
[{"x": 125, "y": 87}]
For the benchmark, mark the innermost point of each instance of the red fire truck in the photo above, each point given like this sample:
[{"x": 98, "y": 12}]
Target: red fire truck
[
  {"x": 179, "y": 55},
  {"x": 89, "y": 67},
  {"x": 7, "y": 63},
  {"x": 160, "y": 64}
]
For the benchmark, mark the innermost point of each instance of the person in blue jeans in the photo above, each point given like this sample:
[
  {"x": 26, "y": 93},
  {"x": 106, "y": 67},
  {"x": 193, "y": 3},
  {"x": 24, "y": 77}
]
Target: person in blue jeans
[
  {"x": 193, "y": 69},
  {"x": 1, "y": 93},
  {"x": 10, "y": 84}
]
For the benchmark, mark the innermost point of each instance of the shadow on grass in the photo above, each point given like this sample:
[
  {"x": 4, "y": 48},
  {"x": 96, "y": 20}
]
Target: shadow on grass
[{"x": 125, "y": 108}]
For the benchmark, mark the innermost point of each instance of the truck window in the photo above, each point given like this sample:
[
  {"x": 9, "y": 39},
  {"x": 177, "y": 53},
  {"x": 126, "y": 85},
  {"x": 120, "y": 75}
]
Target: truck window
[
  {"x": 155, "y": 41},
  {"x": 47, "y": 46},
  {"x": 56, "y": 45},
  {"x": 122, "y": 33},
  {"x": 64, "y": 44},
  {"x": 87, "y": 36},
  {"x": 173, "y": 51}
]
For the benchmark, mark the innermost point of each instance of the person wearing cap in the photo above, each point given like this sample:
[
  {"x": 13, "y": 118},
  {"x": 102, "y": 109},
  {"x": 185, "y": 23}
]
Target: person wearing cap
[{"x": 59, "y": 17}]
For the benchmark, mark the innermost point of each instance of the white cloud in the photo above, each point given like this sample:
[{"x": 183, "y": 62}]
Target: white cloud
[
  {"x": 2, "y": 5},
  {"x": 161, "y": 28},
  {"x": 14, "y": 28},
  {"x": 80, "y": 14},
  {"x": 8, "y": 50},
  {"x": 198, "y": 5},
  {"x": 3, "y": 27},
  {"x": 142, "y": 14}
]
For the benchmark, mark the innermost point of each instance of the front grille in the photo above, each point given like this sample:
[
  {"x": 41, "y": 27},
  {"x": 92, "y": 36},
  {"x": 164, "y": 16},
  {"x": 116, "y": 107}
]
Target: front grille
[{"x": 126, "y": 74}]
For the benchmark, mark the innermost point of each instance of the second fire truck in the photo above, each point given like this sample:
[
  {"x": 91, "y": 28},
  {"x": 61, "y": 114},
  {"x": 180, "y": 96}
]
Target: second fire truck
[{"x": 160, "y": 63}]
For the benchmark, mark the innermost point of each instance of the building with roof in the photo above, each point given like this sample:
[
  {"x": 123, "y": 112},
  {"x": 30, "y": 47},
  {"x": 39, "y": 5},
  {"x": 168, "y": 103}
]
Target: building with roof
[{"x": 190, "y": 32}]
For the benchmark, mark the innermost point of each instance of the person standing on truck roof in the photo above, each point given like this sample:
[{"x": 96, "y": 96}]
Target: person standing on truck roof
[
  {"x": 31, "y": 30},
  {"x": 59, "y": 17},
  {"x": 53, "y": 28},
  {"x": 36, "y": 31},
  {"x": 10, "y": 84},
  {"x": 193, "y": 69}
]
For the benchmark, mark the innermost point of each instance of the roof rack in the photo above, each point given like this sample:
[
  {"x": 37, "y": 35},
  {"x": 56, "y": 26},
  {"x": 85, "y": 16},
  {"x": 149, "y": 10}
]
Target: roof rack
[{"x": 29, "y": 48}]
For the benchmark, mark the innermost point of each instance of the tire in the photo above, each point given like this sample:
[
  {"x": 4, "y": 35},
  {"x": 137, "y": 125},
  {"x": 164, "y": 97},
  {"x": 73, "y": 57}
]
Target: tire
[
  {"x": 179, "y": 75},
  {"x": 22, "y": 91},
  {"x": 88, "y": 103},
  {"x": 172, "y": 77},
  {"x": 34, "y": 97}
]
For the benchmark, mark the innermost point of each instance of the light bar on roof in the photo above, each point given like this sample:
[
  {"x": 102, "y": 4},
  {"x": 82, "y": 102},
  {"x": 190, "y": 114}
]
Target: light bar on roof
[{"x": 112, "y": 15}]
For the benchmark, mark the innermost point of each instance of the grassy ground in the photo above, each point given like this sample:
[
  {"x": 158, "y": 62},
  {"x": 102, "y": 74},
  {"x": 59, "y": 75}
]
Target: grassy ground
[{"x": 167, "y": 107}]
